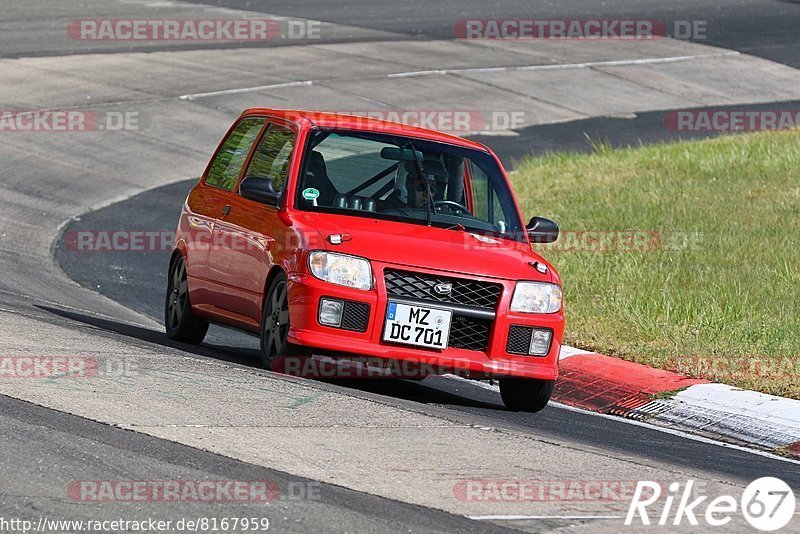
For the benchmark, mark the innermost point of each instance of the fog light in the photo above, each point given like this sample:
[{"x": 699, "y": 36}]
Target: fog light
[
  {"x": 330, "y": 312},
  {"x": 540, "y": 342}
]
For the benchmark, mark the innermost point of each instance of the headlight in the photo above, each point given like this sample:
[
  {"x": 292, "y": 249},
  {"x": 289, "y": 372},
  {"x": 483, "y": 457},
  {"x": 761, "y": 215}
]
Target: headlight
[
  {"x": 341, "y": 269},
  {"x": 536, "y": 297}
]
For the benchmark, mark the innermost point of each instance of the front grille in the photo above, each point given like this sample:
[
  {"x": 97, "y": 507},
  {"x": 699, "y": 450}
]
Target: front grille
[
  {"x": 469, "y": 333},
  {"x": 421, "y": 286},
  {"x": 355, "y": 316},
  {"x": 519, "y": 339}
]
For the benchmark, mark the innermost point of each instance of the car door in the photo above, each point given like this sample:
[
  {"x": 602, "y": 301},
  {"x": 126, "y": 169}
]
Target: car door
[
  {"x": 217, "y": 186},
  {"x": 206, "y": 200},
  {"x": 244, "y": 236}
]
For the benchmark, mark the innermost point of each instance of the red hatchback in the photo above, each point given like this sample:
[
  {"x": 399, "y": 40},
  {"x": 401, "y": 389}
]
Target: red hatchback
[{"x": 348, "y": 237}]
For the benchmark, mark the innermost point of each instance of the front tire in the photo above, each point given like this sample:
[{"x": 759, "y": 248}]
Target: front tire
[
  {"x": 179, "y": 320},
  {"x": 275, "y": 346},
  {"x": 526, "y": 394}
]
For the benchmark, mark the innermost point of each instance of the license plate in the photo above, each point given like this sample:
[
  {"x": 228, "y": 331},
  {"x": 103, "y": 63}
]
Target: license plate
[{"x": 417, "y": 325}]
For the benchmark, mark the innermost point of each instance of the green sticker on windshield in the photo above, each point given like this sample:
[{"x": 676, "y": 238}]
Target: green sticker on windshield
[{"x": 310, "y": 193}]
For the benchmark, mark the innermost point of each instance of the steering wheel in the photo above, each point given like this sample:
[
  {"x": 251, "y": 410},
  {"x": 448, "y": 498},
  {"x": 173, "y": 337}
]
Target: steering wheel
[{"x": 453, "y": 206}]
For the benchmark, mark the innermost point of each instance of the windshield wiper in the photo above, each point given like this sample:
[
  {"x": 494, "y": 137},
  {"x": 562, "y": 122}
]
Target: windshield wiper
[{"x": 421, "y": 173}]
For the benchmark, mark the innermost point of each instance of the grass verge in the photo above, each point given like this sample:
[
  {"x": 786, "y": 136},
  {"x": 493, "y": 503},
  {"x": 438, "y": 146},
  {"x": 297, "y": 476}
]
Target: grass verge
[{"x": 682, "y": 256}]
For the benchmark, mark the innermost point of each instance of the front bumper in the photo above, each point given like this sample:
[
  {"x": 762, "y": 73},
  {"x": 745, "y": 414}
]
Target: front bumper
[{"x": 305, "y": 292}]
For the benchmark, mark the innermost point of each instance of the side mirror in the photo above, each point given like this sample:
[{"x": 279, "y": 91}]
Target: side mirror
[
  {"x": 260, "y": 189},
  {"x": 541, "y": 230}
]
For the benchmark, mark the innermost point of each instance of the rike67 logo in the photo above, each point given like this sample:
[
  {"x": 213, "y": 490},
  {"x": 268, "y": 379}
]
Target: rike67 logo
[{"x": 767, "y": 503}]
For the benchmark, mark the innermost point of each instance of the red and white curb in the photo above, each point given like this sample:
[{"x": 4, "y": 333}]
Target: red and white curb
[{"x": 617, "y": 387}]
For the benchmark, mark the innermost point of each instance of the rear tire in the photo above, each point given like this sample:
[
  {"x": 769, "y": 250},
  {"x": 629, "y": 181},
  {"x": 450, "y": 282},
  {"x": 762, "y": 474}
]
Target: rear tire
[
  {"x": 179, "y": 320},
  {"x": 275, "y": 347},
  {"x": 526, "y": 394}
]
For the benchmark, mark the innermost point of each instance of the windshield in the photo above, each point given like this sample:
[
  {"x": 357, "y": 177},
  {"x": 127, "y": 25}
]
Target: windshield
[{"x": 410, "y": 180}]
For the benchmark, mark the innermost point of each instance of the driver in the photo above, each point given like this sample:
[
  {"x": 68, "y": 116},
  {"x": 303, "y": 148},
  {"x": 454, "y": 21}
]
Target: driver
[{"x": 413, "y": 193}]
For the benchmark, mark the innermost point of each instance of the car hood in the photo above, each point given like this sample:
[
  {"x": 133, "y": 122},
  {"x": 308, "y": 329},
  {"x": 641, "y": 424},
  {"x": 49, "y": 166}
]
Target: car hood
[{"x": 417, "y": 245}]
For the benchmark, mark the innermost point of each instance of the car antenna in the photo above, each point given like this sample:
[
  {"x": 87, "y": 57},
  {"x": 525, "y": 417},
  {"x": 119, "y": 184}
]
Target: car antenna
[{"x": 421, "y": 173}]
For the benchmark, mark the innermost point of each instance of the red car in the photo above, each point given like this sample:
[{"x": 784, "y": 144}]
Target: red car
[{"x": 344, "y": 236}]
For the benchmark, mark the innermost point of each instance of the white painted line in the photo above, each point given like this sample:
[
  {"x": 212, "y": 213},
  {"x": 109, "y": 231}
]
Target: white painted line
[
  {"x": 524, "y": 517},
  {"x": 565, "y": 66},
  {"x": 492, "y": 133},
  {"x": 476, "y": 70},
  {"x": 423, "y": 73},
  {"x": 247, "y": 89},
  {"x": 567, "y": 351}
]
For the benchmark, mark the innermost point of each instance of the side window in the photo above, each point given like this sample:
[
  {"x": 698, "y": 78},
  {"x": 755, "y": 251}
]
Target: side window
[
  {"x": 225, "y": 169},
  {"x": 480, "y": 188},
  {"x": 271, "y": 159},
  {"x": 487, "y": 203}
]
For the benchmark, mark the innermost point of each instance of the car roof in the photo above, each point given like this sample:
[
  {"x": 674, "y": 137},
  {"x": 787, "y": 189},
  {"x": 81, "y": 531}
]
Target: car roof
[{"x": 325, "y": 119}]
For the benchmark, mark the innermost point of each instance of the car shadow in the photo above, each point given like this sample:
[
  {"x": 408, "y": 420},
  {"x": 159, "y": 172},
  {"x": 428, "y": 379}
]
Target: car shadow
[
  {"x": 417, "y": 391},
  {"x": 229, "y": 354},
  {"x": 412, "y": 390}
]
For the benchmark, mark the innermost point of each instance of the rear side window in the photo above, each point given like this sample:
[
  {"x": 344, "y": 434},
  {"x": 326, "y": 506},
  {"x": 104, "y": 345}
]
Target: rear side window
[
  {"x": 271, "y": 159},
  {"x": 228, "y": 163}
]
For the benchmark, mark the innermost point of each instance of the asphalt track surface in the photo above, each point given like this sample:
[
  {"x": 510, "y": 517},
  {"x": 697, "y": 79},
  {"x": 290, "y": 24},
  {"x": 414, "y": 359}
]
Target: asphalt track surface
[
  {"x": 764, "y": 28},
  {"x": 63, "y": 444},
  {"x": 44, "y": 449}
]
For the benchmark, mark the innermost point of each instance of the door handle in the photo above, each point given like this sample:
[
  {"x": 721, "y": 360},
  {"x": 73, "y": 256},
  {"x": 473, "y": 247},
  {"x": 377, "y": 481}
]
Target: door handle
[{"x": 226, "y": 211}]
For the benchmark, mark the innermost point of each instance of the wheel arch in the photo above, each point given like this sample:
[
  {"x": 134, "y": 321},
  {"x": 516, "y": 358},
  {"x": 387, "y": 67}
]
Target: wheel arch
[
  {"x": 181, "y": 248},
  {"x": 173, "y": 258},
  {"x": 273, "y": 272}
]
